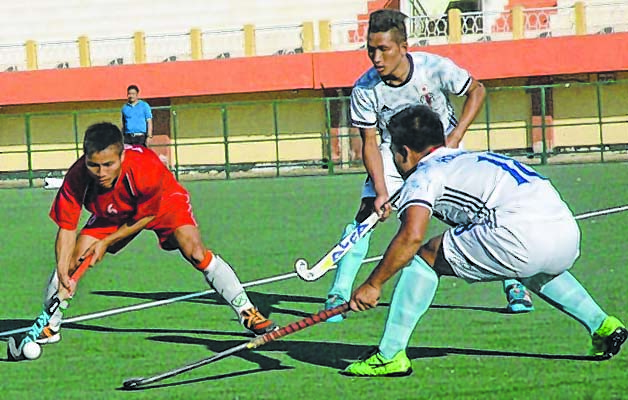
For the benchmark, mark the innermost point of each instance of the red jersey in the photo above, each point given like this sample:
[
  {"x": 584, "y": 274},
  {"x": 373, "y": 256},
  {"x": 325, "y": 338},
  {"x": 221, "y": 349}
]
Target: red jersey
[{"x": 139, "y": 191}]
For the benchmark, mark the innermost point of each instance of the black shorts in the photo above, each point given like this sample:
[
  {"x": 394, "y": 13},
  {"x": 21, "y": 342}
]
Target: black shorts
[{"x": 135, "y": 139}]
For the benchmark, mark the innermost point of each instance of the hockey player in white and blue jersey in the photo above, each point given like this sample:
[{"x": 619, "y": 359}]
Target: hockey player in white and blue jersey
[
  {"x": 507, "y": 221},
  {"x": 397, "y": 80}
]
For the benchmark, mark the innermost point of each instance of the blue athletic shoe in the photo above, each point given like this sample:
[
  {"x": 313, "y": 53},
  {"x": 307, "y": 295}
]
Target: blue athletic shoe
[
  {"x": 519, "y": 300},
  {"x": 334, "y": 301}
]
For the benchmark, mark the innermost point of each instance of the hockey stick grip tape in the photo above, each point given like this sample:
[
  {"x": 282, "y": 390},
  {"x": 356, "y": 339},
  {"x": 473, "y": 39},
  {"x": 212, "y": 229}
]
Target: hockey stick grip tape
[
  {"x": 299, "y": 325},
  {"x": 83, "y": 266}
]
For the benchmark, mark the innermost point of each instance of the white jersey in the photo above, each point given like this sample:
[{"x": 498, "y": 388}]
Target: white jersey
[
  {"x": 509, "y": 221},
  {"x": 464, "y": 188},
  {"x": 429, "y": 82}
]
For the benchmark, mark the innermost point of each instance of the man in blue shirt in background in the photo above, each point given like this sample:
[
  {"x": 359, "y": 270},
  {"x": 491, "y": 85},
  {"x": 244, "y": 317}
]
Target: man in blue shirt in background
[{"x": 137, "y": 118}]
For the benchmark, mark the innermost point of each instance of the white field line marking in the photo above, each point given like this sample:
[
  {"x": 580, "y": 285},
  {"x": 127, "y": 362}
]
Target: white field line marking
[{"x": 277, "y": 278}]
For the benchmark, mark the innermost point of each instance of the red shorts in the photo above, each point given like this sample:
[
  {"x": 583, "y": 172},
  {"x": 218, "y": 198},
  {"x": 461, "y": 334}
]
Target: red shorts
[{"x": 175, "y": 211}]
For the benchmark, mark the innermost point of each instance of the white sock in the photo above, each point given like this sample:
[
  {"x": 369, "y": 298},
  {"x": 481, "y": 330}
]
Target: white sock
[
  {"x": 51, "y": 291},
  {"x": 224, "y": 281},
  {"x": 413, "y": 295}
]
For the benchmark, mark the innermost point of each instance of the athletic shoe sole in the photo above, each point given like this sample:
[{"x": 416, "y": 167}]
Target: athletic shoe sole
[
  {"x": 614, "y": 342},
  {"x": 518, "y": 308},
  {"x": 50, "y": 339},
  {"x": 392, "y": 375}
]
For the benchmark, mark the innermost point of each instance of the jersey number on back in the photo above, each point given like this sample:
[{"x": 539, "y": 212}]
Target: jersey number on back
[{"x": 517, "y": 170}]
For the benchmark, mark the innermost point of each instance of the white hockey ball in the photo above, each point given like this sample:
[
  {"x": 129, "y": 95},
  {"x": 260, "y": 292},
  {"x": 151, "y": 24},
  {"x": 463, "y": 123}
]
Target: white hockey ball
[{"x": 31, "y": 351}]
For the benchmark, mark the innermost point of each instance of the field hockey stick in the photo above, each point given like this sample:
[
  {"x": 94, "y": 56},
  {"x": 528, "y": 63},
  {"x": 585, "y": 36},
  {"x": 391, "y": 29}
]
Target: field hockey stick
[
  {"x": 334, "y": 255},
  {"x": 256, "y": 342},
  {"x": 14, "y": 350},
  {"x": 603, "y": 211}
]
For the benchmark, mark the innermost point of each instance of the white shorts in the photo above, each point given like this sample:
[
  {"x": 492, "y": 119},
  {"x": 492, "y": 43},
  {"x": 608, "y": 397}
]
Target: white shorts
[
  {"x": 392, "y": 178},
  {"x": 514, "y": 249}
]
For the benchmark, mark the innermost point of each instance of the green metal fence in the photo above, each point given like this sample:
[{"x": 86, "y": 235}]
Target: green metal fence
[{"x": 567, "y": 122}]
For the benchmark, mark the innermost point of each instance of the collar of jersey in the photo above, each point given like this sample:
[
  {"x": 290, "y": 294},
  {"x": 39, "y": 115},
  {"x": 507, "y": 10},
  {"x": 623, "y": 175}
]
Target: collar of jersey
[
  {"x": 411, "y": 61},
  {"x": 431, "y": 154}
]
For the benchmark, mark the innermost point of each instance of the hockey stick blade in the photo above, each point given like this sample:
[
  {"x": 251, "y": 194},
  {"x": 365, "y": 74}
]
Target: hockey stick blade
[
  {"x": 135, "y": 383},
  {"x": 329, "y": 260},
  {"x": 132, "y": 383}
]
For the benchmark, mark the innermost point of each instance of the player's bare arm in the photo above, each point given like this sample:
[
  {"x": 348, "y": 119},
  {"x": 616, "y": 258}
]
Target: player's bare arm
[
  {"x": 64, "y": 250},
  {"x": 149, "y": 127},
  {"x": 99, "y": 248},
  {"x": 402, "y": 248},
  {"x": 375, "y": 168},
  {"x": 472, "y": 106}
]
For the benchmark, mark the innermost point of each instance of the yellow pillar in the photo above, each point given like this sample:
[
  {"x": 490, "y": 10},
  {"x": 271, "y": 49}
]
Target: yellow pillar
[
  {"x": 455, "y": 25},
  {"x": 196, "y": 42},
  {"x": 249, "y": 40},
  {"x": 307, "y": 37},
  {"x": 31, "y": 55},
  {"x": 84, "y": 53},
  {"x": 518, "y": 22},
  {"x": 140, "y": 47},
  {"x": 324, "y": 35},
  {"x": 581, "y": 18}
]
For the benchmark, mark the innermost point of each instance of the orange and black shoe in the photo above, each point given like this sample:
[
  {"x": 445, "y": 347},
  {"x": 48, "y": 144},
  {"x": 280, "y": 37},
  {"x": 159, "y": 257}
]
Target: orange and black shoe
[
  {"x": 48, "y": 336},
  {"x": 255, "y": 322}
]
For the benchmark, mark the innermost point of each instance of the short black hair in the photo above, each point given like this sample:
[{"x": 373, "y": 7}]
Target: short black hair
[
  {"x": 133, "y": 87},
  {"x": 100, "y": 136},
  {"x": 417, "y": 127},
  {"x": 389, "y": 20}
]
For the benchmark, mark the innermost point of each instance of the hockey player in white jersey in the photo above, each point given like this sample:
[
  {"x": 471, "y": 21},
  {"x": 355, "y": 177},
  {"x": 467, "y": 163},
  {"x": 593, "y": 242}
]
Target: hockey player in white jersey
[
  {"x": 508, "y": 222},
  {"x": 397, "y": 80}
]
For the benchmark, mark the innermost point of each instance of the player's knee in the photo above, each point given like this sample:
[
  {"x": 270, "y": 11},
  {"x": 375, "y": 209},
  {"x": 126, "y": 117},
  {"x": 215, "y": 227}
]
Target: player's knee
[
  {"x": 536, "y": 282},
  {"x": 429, "y": 250},
  {"x": 432, "y": 253}
]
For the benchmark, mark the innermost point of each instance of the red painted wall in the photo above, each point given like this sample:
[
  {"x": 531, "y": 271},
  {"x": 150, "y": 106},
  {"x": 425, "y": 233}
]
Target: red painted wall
[{"x": 488, "y": 60}]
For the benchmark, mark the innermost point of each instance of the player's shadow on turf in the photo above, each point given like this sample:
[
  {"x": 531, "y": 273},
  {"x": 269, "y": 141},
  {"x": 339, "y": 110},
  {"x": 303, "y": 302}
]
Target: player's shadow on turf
[
  {"x": 266, "y": 302},
  {"x": 11, "y": 324},
  {"x": 338, "y": 355},
  {"x": 205, "y": 379},
  {"x": 263, "y": 362},
  {"x": 108, "y": 329},
  {"x": 498, "y": 310},
  {"x": 499, "y": 353},
  {"x": 324, "y": 354}
]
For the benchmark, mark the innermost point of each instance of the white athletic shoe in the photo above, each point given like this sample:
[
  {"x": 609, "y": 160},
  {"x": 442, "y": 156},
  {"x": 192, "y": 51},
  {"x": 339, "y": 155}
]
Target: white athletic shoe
[{"x": 48, "y": 336}]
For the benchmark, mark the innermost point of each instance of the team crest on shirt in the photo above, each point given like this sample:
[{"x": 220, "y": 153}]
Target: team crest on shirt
[
  {"x": 427, "y": 99},
  {"x": 111, "y": 210}
]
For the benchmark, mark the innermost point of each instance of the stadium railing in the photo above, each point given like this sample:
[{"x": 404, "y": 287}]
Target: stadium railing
[
  {"x": 540, "y": 124},
  {"x": 249, "y": 40}
]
